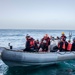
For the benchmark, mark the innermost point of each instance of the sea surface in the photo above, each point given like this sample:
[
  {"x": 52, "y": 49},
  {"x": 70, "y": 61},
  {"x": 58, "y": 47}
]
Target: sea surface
[{"x": 16, "y": 37}]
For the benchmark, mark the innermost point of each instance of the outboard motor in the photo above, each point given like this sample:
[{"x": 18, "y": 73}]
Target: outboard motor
[{"x": 54, "y": 45}]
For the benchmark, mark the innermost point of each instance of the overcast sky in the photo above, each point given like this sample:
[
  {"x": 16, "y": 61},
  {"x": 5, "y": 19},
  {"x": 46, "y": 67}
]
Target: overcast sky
[{"x": 37, "y": 14}]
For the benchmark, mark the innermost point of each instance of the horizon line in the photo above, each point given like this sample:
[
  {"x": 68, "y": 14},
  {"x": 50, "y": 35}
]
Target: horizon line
[{"x": 31, "y": 29}]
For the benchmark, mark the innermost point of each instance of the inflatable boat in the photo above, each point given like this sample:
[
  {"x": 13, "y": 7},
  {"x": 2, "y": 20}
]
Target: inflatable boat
[{"x": 21, "y": 58}]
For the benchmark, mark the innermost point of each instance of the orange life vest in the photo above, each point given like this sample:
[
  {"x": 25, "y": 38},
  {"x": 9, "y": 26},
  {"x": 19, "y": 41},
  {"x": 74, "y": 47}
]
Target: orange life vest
[
  {"x": 63, "y": 46},
  {"x": 32, "y": 43},
  {"x": 69, "y": 46}
]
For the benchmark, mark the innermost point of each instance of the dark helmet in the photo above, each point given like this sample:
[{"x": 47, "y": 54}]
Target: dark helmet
[{"x": 27, "y": 36}]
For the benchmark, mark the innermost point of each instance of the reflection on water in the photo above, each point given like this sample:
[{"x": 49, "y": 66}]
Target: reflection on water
[
  {"x": 63, "y": 68},
  {"x": 40, "y": 70}
]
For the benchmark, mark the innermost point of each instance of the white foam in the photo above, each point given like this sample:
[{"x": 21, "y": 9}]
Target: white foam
[{"x": 1, "y": 73}]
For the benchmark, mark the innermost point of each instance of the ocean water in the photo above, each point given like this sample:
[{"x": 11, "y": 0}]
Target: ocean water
[{"x": 17, "y": 39}]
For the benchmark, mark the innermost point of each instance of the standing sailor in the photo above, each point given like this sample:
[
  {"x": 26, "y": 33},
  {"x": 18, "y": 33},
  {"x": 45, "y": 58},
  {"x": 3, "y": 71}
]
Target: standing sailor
[
  {"x": 62, "y": 45},
  {"x": 63, "y": 36}
]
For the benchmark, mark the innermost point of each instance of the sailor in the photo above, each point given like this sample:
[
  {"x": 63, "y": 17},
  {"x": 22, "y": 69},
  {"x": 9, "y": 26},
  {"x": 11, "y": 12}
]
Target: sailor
[
  {"x": 63, "y": 36},
  {"x": 73, "y": 45},
  {"x": 29, "y": 44},
  {"x": 37, "y": 45},
  {"x": 48, "y": 41},
  {"x": 42, "y": 44},
  {"x": 45, "y": 42},
  {"x": 62, "y": 45}
]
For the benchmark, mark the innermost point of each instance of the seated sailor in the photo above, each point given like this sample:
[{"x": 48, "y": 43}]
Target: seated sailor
[
  {"x": 45, "y": 42},
  {"x": 62, "y": 45},
  {"x": 29, "y": 44}
]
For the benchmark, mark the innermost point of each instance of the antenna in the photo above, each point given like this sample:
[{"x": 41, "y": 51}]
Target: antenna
[{"x": 70, "y": 35}]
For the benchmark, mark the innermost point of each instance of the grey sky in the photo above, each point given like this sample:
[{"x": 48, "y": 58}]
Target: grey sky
[{"x": 37, "y": 14}]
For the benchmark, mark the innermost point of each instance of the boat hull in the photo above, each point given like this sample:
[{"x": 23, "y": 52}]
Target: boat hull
[{"x": 20, "y": 58}]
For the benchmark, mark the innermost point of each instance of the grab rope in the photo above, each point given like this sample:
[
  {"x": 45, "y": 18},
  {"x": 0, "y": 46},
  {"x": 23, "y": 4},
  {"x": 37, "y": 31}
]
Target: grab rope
[
  {"x": 61, "y": 53},
  {"x": 66, "y": 52}
]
